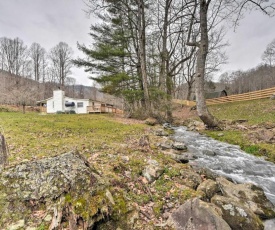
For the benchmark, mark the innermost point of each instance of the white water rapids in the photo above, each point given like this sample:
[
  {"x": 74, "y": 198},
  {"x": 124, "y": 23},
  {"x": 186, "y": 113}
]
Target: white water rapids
[{"x": 229, "y": 161}]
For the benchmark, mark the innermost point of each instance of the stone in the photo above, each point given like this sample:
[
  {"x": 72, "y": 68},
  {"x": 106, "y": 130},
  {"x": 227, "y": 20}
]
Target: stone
[
  {"x": 161, "y": 133},
  {"x": 31, "y": 228},
  {"x": 269, "y": 224},
  {"x": 167, "y": 126},
  {"x": 191, "y": 179},
  {"x": 167, "y": 144},
  {"x": 195, "y": 126},
  {"x": 209, "y": 152},
  {"x": 125, "y": 158},
  {"x": 179, "y": 146},
  {"x": 236, "y": 214},
  {"x": 252, "y": 196},
  {"x": 152, "y": 171},
  {"x": 272, "y": 97},
  {"x": 182, "y": 157},
  {"x": 16, "y": 226},
  {"x": 65, "y": 187},
  {"x": 207, "y": 173},
  {"x": 209, "y": 188},
  {"x": 151, "y": 121},
  {"x": 197, "y": 215}
]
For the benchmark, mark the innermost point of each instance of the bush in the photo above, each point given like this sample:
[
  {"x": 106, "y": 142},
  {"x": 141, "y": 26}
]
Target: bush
[
  {"x": 2, "y": 109},
  {"x": 71, "y": 112}
]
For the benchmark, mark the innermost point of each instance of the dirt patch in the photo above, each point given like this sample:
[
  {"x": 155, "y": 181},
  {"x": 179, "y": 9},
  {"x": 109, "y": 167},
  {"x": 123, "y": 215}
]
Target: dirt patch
[{"x": 183, "y": 113}]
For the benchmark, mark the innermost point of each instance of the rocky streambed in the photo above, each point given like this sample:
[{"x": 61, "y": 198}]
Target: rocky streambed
[{"x": 145, "y": 184}]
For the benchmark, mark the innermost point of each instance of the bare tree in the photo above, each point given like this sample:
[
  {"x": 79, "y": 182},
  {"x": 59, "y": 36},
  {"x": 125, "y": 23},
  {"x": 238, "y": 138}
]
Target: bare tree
[
  {"x": 13, "y": 56},
  {"x": 269, "y": 54},
  {"x": 60, "y": 57},
  {"x": 37, "y": 55}
]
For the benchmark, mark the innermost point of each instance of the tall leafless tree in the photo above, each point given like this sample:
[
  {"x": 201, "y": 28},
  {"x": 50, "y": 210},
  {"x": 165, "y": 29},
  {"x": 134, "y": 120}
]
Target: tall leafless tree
[
  {"x": 61, "y": 63},
  {"x": 269, "y": 54},
  {"x": 13, "y": 56},
  {"x": 37, "y": 55}
]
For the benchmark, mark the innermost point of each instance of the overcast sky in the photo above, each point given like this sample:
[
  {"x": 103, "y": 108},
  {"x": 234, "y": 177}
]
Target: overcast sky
[{"x": 50, "y": 21}]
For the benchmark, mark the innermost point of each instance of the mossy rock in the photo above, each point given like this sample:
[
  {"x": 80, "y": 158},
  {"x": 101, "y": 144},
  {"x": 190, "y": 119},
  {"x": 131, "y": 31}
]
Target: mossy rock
[
  {"x": 237, "y": 215},
  {"x": 65, "y": 187}
]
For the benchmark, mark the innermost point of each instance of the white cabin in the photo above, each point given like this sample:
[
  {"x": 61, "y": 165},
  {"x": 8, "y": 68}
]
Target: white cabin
[{"x": 60, "y": 103}]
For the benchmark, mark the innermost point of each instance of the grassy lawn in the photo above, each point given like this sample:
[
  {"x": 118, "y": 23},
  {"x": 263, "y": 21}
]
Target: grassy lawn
[
  {"x": 31, "y": 136},
  {"x": 111, "y": 145},
  {"x": 257, "y": 112}
]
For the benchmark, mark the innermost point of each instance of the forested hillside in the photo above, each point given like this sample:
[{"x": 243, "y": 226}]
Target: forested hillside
[{"x": 18, "y": 90}]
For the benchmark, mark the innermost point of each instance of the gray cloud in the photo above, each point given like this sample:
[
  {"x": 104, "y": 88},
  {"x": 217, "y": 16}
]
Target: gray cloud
[
  {"x": 47, "y": 22},
  {"x": 249, "y": 41},
  {"x": 50, "y": 21}
]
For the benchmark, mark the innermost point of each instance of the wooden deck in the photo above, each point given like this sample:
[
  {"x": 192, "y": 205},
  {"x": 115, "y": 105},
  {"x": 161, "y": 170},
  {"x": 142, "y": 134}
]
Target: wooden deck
[{"x": 101, "y": 109}]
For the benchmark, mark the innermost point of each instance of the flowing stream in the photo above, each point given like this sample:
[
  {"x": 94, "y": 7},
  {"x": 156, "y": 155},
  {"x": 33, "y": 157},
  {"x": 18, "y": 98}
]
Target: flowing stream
[{"x": 229, "y": 161}]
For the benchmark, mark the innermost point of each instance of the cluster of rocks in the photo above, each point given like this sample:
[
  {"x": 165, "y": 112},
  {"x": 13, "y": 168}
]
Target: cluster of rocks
[
  {"x": 222, "y": 204},
  {"x": 176, "y": 150}
]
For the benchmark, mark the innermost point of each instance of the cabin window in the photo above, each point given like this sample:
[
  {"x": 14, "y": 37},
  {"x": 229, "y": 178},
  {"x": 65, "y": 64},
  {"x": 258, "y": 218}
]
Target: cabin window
[{"x": 79, "y": 104}]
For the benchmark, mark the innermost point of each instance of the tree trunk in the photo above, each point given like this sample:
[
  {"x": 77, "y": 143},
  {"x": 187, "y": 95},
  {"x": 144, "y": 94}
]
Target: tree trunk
[
  {"x": 164, "y": 52},
  {"x": 208, "y": 119},
  {"x": 189, "y": 91},
  {"x": 23, "y": 108},
  {"x": 166, "y": 83},
  {"x": 3, "y": 152},
  {"x": 142, "y": 52}
]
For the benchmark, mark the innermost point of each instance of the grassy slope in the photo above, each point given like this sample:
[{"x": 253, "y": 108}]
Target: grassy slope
[
  {"x": 256, "y": 112},
  {"x": 107, "y": 144},
  {"x": 31, "y": 135}
]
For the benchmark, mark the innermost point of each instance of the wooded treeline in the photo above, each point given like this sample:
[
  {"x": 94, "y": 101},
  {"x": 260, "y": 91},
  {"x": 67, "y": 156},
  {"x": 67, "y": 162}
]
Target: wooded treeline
[
  {"x": 35, "y": 62},
  {"x": 143, "y": 50}
]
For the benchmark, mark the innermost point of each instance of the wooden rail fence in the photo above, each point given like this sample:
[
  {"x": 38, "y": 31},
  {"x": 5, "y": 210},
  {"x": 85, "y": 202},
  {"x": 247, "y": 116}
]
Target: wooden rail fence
[{"x": 260, "y": 94}]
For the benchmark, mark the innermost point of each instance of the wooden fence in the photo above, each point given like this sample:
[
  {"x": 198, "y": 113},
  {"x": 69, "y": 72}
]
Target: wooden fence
[{"x": 260, "y": 94}]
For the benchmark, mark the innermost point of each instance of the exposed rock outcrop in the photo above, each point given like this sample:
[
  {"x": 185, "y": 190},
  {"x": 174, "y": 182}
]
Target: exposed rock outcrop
[
  {"x": 248, "y": 194},
  {"x": 58, "y": 191},
  {"x": 198, "y": 215},
  {"x": 237, "y": 215}
]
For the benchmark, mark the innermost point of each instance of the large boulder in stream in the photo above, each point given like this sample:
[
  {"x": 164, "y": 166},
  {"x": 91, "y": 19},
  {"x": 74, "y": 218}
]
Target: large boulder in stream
[
  {"x": 56, "y": 193},
  {"x": 236, "y": 214},
  {"x": 252, "y": 196}
]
